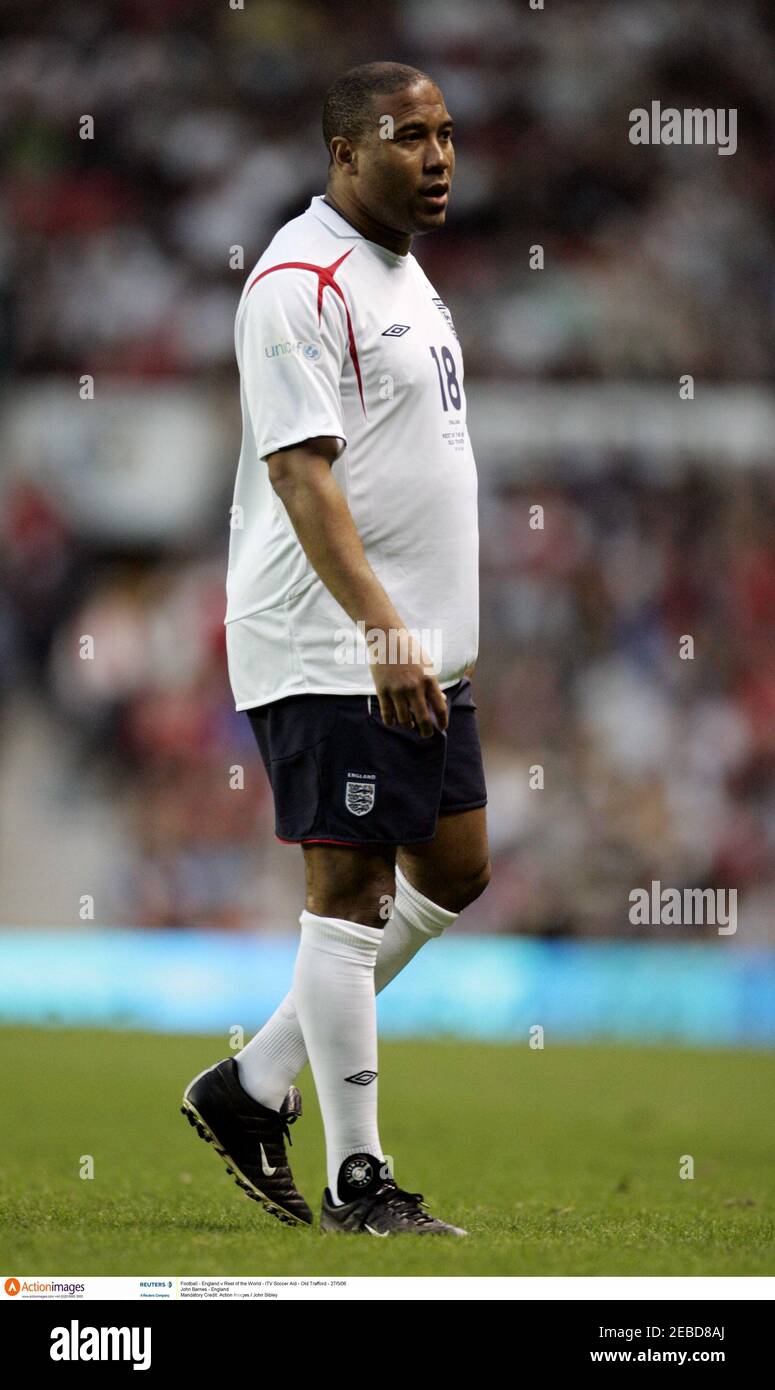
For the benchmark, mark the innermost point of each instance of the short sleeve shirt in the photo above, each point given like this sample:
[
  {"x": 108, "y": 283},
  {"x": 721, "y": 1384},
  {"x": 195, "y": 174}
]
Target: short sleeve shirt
[{"x": 337, "y": 336}]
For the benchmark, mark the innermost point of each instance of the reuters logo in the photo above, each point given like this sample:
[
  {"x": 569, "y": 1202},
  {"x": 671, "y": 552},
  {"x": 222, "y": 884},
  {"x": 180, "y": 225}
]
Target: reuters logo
[{"x": 12, "y": 1287}]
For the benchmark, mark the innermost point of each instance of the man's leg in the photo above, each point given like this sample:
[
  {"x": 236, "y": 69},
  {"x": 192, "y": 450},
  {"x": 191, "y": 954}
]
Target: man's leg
[
  {"x": 333, "y": 991},
  {"x": 454, "y": 867},
  {"x": 434, "y": 882}
]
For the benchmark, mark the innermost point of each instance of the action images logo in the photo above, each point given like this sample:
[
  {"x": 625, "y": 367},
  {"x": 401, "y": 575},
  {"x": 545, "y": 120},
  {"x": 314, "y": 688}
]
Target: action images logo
[{"x": 14, "y": 1286}]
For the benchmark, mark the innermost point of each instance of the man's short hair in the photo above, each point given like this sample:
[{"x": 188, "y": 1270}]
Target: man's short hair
[{"x": 347, "y": 105}]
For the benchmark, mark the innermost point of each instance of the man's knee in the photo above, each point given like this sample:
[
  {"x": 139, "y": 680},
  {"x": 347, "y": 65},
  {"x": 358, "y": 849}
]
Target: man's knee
[
  {"x": 453, "y": 889},
  {"x": 353, "y": 888},
  {"x": 470, "y": 886},
  {"x": 369, "y": 906}
]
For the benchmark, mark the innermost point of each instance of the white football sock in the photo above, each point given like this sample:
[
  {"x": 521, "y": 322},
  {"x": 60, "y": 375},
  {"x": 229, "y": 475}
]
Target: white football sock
[
  {"x": 270, "y": 1062},
  {"x": 333, "y": 988}
]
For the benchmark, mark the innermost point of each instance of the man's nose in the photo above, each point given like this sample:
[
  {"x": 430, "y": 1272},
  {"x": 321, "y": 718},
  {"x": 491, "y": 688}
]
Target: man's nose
[{"x": 437, "y": 157}]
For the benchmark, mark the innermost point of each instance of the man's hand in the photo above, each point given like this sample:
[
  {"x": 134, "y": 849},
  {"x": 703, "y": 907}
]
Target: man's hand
[{"x": 407, "y": 692}]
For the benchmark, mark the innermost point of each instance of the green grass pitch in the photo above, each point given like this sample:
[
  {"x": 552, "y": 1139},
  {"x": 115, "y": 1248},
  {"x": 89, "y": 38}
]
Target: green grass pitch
[{"x": 561, "y": 1161}]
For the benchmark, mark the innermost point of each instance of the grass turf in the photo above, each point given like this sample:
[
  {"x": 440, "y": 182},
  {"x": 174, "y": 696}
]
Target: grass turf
[{"x": 562, "y": 1161}]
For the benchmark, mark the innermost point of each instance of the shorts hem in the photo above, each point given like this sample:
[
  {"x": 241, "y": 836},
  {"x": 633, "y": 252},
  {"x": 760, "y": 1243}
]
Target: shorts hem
[
  {"x": 353, "y": 844},
  {"x": 469, "y": 806}
]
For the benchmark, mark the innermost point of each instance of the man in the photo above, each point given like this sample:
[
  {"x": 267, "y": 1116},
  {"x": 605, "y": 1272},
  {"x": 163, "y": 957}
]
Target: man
[{"x": 352, "y": 619}]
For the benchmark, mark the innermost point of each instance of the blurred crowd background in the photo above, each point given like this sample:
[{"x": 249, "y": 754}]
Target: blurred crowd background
[{"x": 116, "y": 260}]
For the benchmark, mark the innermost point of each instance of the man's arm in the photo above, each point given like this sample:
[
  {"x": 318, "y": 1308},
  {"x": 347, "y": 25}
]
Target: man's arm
[{"x": 302, "y": 478}]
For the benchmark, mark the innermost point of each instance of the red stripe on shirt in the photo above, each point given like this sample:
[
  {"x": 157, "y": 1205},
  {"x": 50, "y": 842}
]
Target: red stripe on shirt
[{"x": 325, "y": 274}]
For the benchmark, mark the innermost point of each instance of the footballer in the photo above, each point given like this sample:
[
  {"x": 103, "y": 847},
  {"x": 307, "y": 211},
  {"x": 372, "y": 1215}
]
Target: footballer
[{"x": 355, "y": 513}]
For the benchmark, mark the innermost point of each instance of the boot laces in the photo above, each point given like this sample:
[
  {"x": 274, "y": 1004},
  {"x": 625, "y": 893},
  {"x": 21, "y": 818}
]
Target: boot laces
[{"x": 406, "y": 1203}]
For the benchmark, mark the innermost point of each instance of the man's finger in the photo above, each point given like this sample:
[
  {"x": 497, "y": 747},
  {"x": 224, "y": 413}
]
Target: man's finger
[
  {"x": 421, "y": 713},
  {"x": 438, "y": 703},
  {"x": 403, "y": 712},
  {"x": 386, "y": 708}
]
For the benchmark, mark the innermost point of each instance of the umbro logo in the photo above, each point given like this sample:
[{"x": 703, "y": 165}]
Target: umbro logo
[
  {"x": 362, "y": 1078},
  {"x": 396, "y": 330}
]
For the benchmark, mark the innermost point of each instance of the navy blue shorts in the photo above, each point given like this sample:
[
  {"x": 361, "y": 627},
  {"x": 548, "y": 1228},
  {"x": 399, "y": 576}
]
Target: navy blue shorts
[{"x": 341, "y": 776}]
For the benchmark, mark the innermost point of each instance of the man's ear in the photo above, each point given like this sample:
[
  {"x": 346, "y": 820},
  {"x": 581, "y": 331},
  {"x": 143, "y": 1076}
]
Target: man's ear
[{"x": 344, "y": 156}]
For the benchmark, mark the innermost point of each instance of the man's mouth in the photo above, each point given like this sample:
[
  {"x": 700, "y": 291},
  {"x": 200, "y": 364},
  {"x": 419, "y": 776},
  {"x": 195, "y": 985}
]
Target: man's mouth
[{"x": 435, "y": 193}]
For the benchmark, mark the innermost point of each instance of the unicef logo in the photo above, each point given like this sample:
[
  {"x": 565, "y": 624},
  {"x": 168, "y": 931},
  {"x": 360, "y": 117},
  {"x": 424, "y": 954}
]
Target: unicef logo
[{"x": 293, "y": 349}]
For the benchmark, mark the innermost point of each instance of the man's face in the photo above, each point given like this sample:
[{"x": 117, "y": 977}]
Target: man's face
[{"x": 404, "y": 181}]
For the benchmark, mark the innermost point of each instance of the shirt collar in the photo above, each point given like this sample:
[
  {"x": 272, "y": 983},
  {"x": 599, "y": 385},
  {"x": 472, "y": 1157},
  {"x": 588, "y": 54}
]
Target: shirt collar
[
  {"x": 342, "y": 228},
  {"x": 333, "y": 219}
]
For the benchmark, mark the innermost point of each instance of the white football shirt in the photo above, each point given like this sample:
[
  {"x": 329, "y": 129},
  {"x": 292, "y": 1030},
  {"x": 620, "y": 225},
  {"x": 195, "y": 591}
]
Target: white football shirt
[{"x": 338, "y": 336}]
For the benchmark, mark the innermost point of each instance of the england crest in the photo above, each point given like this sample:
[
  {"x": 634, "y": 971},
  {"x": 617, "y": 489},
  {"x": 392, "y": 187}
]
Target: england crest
[
  {"x": 445, "y": 314},
  {"x": 360, "y": 792}
]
